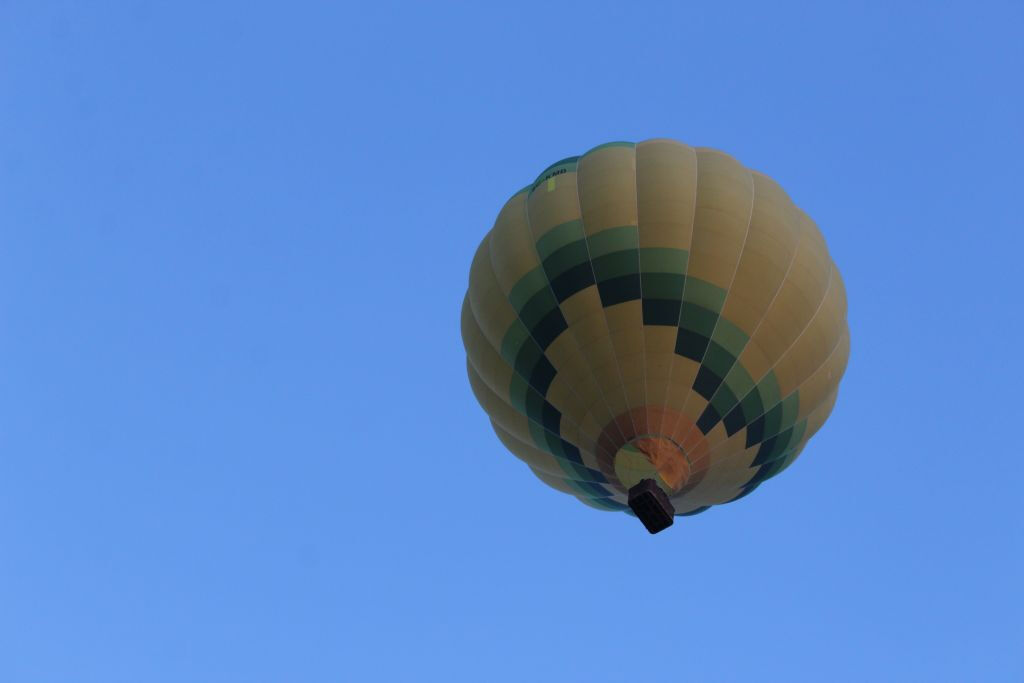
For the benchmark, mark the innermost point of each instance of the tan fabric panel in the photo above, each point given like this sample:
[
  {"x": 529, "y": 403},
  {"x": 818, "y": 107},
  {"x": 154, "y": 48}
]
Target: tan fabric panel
[
  {"x": 767, "y": 255},
  {"x": 793, "y": 306},
  {"x": 574, "y": 385},
  {"x": 490, "y": 306},
  {"x": 514, "y": 255},
  {"x": 534, "y": 457},
  {"x": 491, "y": 367},
  {"x": 769, "y": 251},
  {"x": 510, "y": 420},
  {"x": 816, "y": 342},
  {"x": 732, "y": 468},
  {"x": 716, "y": 438},
  {"x": 564, "y": 486},
  {"x": 554, "y": 204},
  {"x": 497, "y": 374},
  {"x": 825, "y": 380},
  {"x": 725, "y": 201},
  {"x": 606, "y": 180},
  {"x": 684, "y": 506},
  {"x": 819, "y": 415},
  {"x": 500, "y": 412},
  {"x": 557, "y": 483},
  {"x": 512, "y": 251},
  {"x": 725, "y": 193},
  {"x": 684, "y": 372},
  {"x": 725, "y": 478},
  {"x": 666, "y": 187}
]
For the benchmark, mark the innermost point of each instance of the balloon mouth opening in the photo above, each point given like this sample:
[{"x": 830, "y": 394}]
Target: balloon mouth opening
[{"x": 655, "y": 457}]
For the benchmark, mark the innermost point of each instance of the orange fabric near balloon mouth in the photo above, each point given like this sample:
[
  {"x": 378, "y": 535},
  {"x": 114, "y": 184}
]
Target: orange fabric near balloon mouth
[
  {"x": 669, "y": 439},
  {"x": 667, "y": 457}
]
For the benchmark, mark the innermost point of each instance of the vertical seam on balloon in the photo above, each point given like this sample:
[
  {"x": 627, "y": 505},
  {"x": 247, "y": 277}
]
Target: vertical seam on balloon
[
  {"x": 490, "y": 264},
  {"x": 732, "y": 280},
  {"x": 604, "y": 314},
  {"x": 810, "y": 321},
  {"x": 768, "y": 308},
  {"x": 554, "y": 475},
  {"x": 686, "y": 279},
  {"x": 640, "y": 279},
  {"x": 732, "y": 456},
  {"x": 495, "y": 390},
  {"x": 764, "y": 314},
  {"x": 579, "y": 349},
  {"x": 529, "y": 332},
  {"x": 802, "y": 443}
]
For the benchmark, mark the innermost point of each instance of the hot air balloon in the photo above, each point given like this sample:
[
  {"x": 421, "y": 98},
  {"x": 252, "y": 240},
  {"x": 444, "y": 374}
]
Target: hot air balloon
[{"x": 654, "y": 328}]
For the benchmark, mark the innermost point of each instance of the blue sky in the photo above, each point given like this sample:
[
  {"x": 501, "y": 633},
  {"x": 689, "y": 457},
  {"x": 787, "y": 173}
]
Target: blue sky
[{"x": 237, "y": 442}]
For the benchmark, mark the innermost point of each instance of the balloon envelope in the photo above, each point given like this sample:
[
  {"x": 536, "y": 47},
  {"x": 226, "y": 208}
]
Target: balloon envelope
[{"x": 654, "y": 312}]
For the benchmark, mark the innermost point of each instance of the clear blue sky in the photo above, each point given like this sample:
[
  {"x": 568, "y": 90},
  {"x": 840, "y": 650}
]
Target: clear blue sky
[{"x": 237, "y": 442}]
